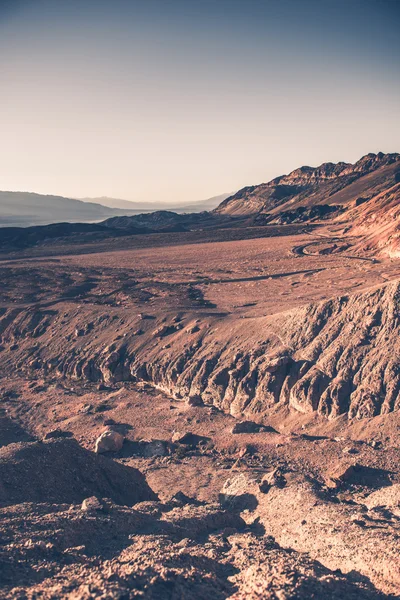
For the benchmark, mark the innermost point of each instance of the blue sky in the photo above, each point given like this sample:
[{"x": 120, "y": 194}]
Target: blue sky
[{"x": 180, "y": 100}]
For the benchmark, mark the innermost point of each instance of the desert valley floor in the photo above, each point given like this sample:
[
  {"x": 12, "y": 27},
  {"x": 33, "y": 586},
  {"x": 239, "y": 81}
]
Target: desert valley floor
[{"x": 249, "y": 468}]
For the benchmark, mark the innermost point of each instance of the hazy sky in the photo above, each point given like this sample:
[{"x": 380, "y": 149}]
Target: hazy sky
[{"x": 179, "y": 100}]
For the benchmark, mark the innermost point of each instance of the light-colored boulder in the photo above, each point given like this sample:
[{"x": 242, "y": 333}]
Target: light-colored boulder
[
  {"x": 109, "y": 441},
  {"x": 385, "y": 497},
  {"x": 92, "y": 504}
]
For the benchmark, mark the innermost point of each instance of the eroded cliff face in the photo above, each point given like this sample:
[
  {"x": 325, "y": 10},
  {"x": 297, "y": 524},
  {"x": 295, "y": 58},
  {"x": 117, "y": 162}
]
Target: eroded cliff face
[{"x": 336, "y": 357}]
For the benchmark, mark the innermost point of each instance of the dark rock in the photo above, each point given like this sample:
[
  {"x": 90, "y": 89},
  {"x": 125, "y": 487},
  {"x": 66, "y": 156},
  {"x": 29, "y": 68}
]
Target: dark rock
[
  {"x": 153, "y": 448},
  {"x": 188, "y": 438},
  {"x": 181, "y": 499},
  {"x": 193, "y": 329},
  {"x": 57, "y": 433},
  {"x": 273, "y": 479},
  {"x": 195, "y": 401},
  {"x": 248, "y": 427}
]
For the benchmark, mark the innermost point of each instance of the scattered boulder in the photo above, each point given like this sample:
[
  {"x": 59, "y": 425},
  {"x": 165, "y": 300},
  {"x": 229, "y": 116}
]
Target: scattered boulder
[
  {"x": 376, "y": 444},
  {"x": 179, "y": 437},
  {"x": 350, "y": 450},
  {"x": 188, "y": 438},
  {"x": 152, "y": 448},
  {"x": 163, "y": 330},
  {"x": 180, "y": 499},
  {"x": 364, "y": 475},
  {"x": 340, "y": 473},
  {"x": 109, "y": 441},
  {"x": 102, "y": 407},
  {"x": 92, "y": 504},
  {"x": 248, "y": 427},
  {"x": 357, "y": 520},
  {"x": 273, "y": 479},
  {"x": 388, "y": 496}
]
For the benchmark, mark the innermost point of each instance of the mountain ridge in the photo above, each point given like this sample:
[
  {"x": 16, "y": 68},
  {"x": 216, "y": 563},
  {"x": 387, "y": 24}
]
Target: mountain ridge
[
  {"x": 313, "y": 185},
  {"x": 133, "y": 205}
]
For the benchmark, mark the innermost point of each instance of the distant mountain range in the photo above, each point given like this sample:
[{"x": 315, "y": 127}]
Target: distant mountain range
[
  {"x": 24, "y": 209},
  {"x": 198, "y": 206},
  {"x": 123, "y": 204}
]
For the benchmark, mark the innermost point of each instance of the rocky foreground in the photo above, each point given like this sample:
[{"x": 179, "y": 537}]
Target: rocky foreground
[{"x": 269, "y": 535}]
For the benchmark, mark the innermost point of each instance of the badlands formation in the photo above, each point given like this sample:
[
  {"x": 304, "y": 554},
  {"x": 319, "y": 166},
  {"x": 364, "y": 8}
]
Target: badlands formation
[{"x": 196, "y": 405}]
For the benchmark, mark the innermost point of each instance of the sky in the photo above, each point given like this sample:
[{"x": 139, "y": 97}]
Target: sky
[{"x": 179, "y": 100}]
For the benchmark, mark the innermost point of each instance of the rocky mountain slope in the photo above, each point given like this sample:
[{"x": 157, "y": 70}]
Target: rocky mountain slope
[
  {"x": 336, "y": 357},
  {"x": 376, "y": 221},
  {"x": 333, "y": 184}
]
